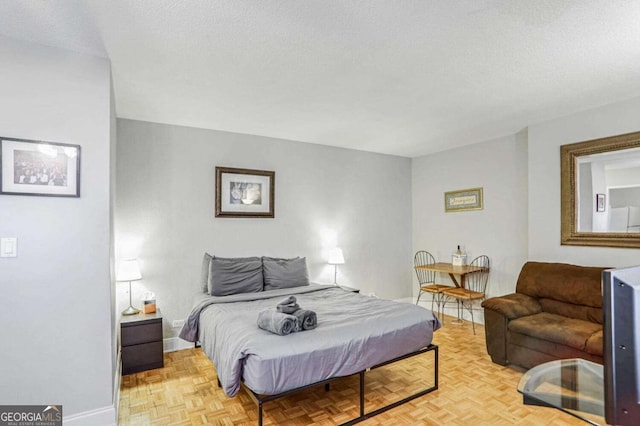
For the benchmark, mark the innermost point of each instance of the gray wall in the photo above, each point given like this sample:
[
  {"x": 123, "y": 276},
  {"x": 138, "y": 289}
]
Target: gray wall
[
  {"x": 545, "y": 140},
  {"x": 512, "y": 229},
  {"x": 499, "y": 230},
  {"x": 115, "y": 318},
  {"x": 55, "y": 306},
  {"x": 585, "y": 195},
  {"x": 624, "y": 177},
  {"x": 325, "y": 196},
  {"x": 622, "y": 197}
]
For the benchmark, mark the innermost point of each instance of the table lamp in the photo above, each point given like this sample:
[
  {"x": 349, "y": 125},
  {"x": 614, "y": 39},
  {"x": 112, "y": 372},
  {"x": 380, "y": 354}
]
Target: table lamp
[
  {"x": 129, "y": 270},
  {"x": 335, "y": 258}
]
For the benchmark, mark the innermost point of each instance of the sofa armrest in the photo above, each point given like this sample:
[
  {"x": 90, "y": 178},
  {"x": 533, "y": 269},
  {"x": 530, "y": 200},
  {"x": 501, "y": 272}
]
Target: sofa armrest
[
  {"x": 498, "y": 311},
  {"x": 514, "y": 305}
]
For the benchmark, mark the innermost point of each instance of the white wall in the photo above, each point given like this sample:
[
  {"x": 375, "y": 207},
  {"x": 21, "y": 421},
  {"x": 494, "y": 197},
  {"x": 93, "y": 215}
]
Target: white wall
[
  {"x": 115, "y": 318},
  {"x": 624, "y": 177},
  {"x": 622, "y": 197},
  {"x": 598, "y": 186},
  {"x": 499, "y": 230},
  {"x": 544, "y": 181},
  {"x": 584, "y": 184},
  {"x": 54, "y": 309},
  {"x": 323, "y": 196},
  {"x": 512, "y": 229}
]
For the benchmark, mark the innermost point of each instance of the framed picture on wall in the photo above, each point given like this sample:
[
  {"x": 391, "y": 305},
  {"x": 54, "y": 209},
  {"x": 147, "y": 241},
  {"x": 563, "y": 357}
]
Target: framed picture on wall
[
  {"x": 463, "y": 200},
  {"x": 29, "y": 167},
  {"x": 244, "y": 192},
  {"x": 600, "y": 206}
]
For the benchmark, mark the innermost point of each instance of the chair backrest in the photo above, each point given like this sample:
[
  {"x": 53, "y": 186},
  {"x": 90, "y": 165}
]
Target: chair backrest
[
  {"x": 477, "y": 281},
  {"x": 424, "y": 258}
]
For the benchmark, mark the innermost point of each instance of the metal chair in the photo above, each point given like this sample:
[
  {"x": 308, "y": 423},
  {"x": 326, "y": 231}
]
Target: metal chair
[
  {"x": 427, "y": 280},
  {"x": 474, "y": 288}
]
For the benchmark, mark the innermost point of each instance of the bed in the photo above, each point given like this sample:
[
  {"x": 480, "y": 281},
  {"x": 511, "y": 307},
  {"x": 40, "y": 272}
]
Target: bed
[{"x": 354, "y": 333}]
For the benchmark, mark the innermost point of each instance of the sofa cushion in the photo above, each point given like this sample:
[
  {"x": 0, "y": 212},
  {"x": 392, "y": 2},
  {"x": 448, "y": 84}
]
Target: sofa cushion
[
  {"x": 513, "y": 305},
  {"x": 595, "y": 344},
  {"x": 556, "y": 328},
  {"x": 527, "y": 351},
  {"x": 586, "y": 313},
  {"x": 580, "y": 285}
]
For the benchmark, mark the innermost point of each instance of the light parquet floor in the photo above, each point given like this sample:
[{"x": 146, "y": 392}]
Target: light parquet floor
[{"x": 472, "y": 391}]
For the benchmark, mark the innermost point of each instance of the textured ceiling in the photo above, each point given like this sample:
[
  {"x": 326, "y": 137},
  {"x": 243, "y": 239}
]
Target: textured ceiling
[{"x": 397, "y": 77}]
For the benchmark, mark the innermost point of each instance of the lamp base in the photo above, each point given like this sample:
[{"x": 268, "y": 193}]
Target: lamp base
[{"x": 130, "y": 311}]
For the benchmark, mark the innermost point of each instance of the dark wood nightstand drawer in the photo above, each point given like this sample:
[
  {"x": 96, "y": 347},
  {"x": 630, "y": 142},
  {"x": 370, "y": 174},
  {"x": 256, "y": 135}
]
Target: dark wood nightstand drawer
[
  {"x": 142, "y": 357},
  {"x": 141, "y": 333},
  {"x": 141, "y": 342}
]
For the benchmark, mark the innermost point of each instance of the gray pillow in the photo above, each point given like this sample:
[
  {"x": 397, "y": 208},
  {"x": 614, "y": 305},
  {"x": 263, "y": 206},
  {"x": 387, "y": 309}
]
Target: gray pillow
[
  {"x": 206, "y": 265},
  {"x": 278, "y": 258},
  {"x": 235, "y": 276},
  {"x": 285, "y": 273},
  {"x": 204, "y": 273}
]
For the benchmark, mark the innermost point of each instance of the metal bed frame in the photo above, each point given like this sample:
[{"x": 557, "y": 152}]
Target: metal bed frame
[{"x": 261, "y": 399}]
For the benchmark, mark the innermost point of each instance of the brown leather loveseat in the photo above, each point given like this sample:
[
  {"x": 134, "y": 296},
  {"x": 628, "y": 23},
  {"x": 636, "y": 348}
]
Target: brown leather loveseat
[{"x": 555, "y": 313}]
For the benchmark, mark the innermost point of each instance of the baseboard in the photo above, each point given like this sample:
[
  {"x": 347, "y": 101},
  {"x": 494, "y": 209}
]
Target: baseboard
[
  {"x": 105, "y": 416},
  {"x": 176, "y": 344}
]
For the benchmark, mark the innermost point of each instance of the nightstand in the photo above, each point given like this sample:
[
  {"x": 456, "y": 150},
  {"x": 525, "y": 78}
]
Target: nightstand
[
  {"x": 351, "y": 289},
  {"x": 141, "y": 342}
]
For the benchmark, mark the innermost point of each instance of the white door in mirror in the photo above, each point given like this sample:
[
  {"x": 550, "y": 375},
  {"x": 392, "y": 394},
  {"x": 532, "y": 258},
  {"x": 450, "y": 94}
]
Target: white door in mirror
[{"x": 8, "y": 247}]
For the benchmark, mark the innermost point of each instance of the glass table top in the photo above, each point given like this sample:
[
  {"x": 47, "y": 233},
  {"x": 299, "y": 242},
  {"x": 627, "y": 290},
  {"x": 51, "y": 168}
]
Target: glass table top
[{"x": 575, "y": 386}]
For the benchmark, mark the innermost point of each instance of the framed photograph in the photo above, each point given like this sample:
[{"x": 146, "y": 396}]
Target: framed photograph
[
  {"x": 244, "y": 192},
  {"x": 463, "y": 200},
  {"x": 29, "y": 167},
  {"x": 600, "y": 206}
]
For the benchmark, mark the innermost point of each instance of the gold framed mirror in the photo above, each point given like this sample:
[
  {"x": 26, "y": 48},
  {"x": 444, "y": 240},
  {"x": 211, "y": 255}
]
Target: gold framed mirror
[{"x": 600, "y": 192}]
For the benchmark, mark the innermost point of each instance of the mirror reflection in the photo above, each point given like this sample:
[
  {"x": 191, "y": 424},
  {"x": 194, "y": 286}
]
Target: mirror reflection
[{"x": 608, "y": 192}]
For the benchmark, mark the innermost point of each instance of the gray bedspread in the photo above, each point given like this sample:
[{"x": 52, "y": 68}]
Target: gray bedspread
[{"x": 353, "y": 332}]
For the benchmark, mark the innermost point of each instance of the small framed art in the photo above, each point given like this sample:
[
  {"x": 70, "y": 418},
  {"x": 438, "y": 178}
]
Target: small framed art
[
  {"x": 463, "y": 200},
  {"x": 244, "y": 192},
  {"x": 600, "y": 199},
  {"x": 29, "y": 167}
]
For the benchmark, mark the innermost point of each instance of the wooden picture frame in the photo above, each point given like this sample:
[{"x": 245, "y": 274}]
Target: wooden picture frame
[
  {"x": 244, "y": 192},
  {"x": 463, "y": 200},
  {"x": 30, "y": 167}
]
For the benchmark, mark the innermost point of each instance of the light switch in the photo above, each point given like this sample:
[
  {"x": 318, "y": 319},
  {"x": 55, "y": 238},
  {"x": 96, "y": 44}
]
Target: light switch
[{"x": 8, "y": 247}]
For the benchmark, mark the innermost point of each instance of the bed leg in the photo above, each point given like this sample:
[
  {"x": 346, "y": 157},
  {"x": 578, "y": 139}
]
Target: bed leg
[
  {"x": 327, "y": 387},
  {"x": 436, "y": 368},
  {"x": 362, "y": 394},
  {"x": 259, "y": 413},
  {"x": 219, "y": 384}
]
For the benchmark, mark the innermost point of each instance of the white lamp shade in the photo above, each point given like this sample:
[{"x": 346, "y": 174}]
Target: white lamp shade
[
  {"x": 336, "y": 257},
  {"x": 128, "y": 270}
]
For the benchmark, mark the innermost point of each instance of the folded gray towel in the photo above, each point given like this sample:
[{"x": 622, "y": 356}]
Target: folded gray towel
[
  {"x": 277, "y": 322},
  {"x": 307, "y": 320},
  {"x": 288, "y": 305}
]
